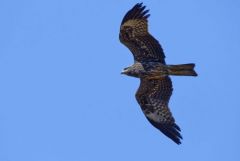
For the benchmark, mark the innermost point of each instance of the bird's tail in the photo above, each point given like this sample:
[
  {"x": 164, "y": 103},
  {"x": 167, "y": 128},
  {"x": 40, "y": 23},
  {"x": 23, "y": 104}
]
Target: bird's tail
[{"x": 182, "y": 70}]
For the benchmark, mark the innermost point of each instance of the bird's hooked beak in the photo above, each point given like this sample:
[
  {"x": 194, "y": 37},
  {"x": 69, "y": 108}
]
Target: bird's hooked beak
[{"x": 124, "y": 71}]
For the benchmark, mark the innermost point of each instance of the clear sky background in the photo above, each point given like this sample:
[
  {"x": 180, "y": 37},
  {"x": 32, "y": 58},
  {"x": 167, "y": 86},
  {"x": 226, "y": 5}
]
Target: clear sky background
[{"x": 62, "y": 97}]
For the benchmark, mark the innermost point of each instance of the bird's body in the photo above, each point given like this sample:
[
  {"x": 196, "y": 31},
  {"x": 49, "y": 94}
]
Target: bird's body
[
  {"x": 146, "y": 70},
  {"x": 156, "y": 70},
  {"x": 150, "y": 67}
]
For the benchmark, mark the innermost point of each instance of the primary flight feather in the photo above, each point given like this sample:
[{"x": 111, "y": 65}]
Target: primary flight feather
[{"x": 149, "y": 66}]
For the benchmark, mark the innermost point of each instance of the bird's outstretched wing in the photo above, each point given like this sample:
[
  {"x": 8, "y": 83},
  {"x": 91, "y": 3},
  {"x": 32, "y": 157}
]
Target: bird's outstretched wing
[
  {"x": 153, "y": 97},
  {"x": 134, "y": 34}
]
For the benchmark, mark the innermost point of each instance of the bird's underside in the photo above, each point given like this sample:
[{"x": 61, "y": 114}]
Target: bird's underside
[{"x": 155, "y": 87}]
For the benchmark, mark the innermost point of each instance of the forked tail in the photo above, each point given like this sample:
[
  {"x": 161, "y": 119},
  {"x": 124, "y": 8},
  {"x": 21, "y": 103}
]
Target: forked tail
[{"x": 182, "y": 69}]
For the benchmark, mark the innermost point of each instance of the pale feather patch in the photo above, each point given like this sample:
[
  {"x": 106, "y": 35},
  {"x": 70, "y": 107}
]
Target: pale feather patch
[{"x": 156, "y": 117}]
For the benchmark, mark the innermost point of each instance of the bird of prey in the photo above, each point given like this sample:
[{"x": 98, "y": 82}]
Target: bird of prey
[{"x": 150, "y": 67}]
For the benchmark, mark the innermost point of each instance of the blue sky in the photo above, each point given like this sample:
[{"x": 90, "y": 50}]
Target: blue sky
[{"x": 63, "y": 98}]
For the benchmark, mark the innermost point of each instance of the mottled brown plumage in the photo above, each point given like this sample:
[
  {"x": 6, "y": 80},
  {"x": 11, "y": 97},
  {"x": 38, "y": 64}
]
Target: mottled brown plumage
[
  {"x": 134, "y": 34},
  {"x": 155, "y": 88},
  {"x": 153, "y": 97}
]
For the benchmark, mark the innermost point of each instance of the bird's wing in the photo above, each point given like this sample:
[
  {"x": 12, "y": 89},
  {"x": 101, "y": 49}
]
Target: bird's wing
[
  {"x": 153, "y": 97},
  {"x": 134, "y": 34}
]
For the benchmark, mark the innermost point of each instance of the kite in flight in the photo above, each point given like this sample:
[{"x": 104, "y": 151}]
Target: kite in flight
[{"x": 149, "y": 66}]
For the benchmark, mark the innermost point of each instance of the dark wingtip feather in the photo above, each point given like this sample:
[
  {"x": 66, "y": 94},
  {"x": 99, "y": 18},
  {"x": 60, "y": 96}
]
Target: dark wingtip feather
[
  {"x": 170, "y": 130},
  {"x": 173, "y": 132},
  {"x": 137, "y": 12},
  {"x": 177, "y": 127}
]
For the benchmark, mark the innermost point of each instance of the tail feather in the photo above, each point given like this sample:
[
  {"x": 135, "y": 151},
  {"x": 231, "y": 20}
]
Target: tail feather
[{"x": 182, "y": 69}]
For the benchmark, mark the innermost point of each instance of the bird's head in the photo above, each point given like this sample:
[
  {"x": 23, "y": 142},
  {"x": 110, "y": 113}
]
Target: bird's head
[{"x": 135, "y": 70}]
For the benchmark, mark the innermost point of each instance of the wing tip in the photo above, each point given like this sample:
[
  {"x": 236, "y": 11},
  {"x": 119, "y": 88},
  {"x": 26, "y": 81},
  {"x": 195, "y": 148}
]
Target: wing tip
[
  {"x": 173, "y": 132},
  {"x": 136, "y": 12}
]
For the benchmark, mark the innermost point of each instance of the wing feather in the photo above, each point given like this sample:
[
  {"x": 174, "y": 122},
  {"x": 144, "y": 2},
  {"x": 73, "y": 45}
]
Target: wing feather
[
  {"x": 134, "y": 35},
  {"x": 153, "y": 97},
  {"x": 155, "y": 50},
  {"x": 136, "y": 13}
]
